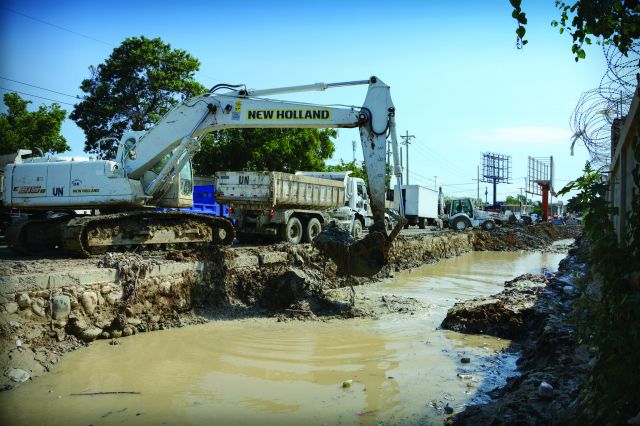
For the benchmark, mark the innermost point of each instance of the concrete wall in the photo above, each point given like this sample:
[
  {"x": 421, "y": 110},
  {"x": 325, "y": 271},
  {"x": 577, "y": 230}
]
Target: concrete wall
[{"x": 622, "y": 165}]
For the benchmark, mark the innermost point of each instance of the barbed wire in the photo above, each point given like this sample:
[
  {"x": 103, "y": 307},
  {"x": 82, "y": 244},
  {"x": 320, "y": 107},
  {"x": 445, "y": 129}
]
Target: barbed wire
[{"x": 598, "y": 108}]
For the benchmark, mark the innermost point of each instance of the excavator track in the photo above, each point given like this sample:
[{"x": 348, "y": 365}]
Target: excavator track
[{"x": 142, "y": 230}]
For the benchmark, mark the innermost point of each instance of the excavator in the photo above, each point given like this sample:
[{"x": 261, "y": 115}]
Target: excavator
[{"x": 152, "y": 169}]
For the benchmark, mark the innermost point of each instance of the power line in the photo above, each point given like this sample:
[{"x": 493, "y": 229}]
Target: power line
[
  {"x": 38, "y": 87},
  {"x": 58, "y": 26},
  {"x": 36, "y": 96}
]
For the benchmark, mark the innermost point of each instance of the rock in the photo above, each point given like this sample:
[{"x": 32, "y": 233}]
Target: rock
[
  {"x": 24, "y": 301},
  {"x": 43, "y": 294},
  {"x": 115, "y": 334},
  {"x": 17, "y": 375},
  {"x": 90, "y": 334},
  {"x": 106, "y": 289},
  {"x": 15, "y": 324},
  {"x": 61, "y": 323},
  {"x": 134, "y": 321},
  {"x": 545, "y": 390},
  {"x": 38, "y": 310},
  {"x": 568, "y": 290},
  {"x": 127, "y": 331},
  {"x": 448, "y": 409},
  {"x": 347, "y": 383},
  {"x": 102, "y": 323},
  {"x": 26, "y": 314},
  {"x": 104, "y": 335},
  {"x": 11, "y": 307},
  {"x": 113, "y": 297},
  {"x": 78, "y": 325},
  {"x": 40, "y": 302},
  {"x": 165, "y": 288},
  {"x": 89, "y": 300},
  {"x": 465, "y": 360}
]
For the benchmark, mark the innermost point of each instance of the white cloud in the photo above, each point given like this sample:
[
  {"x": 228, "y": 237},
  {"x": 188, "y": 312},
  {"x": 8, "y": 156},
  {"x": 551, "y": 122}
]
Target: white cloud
[{"x": 522, "y": 135}]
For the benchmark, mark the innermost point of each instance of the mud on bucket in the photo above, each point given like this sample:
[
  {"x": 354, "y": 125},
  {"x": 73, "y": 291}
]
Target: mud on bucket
[{"x": 360, "y": 258}]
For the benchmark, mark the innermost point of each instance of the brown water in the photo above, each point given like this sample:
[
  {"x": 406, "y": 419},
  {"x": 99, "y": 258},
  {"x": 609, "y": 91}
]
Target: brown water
[{"x": 264, "y": 372}]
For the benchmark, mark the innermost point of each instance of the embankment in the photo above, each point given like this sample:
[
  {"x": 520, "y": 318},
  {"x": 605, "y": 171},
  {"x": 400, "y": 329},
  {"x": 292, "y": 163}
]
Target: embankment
[
  {"x": 536, "y": 312},
  {"x": 50, "y": 306}
]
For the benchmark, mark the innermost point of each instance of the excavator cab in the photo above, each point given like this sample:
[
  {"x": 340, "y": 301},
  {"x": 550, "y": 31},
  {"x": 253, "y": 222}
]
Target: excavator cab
[{"x": 179, "y": 193}]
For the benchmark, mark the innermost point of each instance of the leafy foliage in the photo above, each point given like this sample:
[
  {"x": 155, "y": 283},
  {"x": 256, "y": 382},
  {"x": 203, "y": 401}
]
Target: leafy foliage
[
  {"x": 615, "y": 22},
  {"x": 23, "y": 129},
  {"x": 139, "y": 82},
  {"x": 612, "y": 321},
  {"x": 351, "y": 166},
  {"x": 286, "y": 150},
  {"x": 357, "y": 170}
]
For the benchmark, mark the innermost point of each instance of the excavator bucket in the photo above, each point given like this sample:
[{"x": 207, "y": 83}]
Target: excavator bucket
[{"x": 360, "y": 258}]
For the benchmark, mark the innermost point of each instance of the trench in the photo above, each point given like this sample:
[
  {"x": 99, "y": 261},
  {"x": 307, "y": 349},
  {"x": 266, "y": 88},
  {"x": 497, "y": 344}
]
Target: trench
[{"x": 402, "y": 368}]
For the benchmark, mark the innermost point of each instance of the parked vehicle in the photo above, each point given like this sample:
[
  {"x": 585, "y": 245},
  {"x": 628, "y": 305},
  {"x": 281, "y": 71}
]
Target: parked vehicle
[
  {"x": 204, "y": 202},
  {"x": 420, "y": 205},
  {"x": 293, "y": 207},
  {"x": 461, "y": 213}
]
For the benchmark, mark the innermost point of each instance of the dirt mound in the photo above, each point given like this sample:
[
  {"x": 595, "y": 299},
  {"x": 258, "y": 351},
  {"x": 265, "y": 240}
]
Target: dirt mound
[
  {"x": 517, "y": 237},
  {"x": 508, "y": 314}
]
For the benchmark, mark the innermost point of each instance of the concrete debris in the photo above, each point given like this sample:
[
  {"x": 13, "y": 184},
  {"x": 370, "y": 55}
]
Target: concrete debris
[
  {"x": 60, "y": 306},
  {"x": 17, "y": 375}
]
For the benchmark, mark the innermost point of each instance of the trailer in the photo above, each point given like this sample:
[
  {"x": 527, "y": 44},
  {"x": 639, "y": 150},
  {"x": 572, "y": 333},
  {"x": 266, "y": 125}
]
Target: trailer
[
  {"x": 420, "y": 205},
  {"x": 291, "y": 207}
]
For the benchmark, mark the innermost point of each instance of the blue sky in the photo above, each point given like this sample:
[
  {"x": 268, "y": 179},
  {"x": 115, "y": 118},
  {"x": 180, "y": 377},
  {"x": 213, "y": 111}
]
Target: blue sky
[{"x": 457, "y": 80}]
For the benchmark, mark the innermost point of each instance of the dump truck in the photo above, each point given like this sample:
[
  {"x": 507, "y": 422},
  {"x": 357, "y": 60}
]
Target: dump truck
[{"x": 292, "y": 207}]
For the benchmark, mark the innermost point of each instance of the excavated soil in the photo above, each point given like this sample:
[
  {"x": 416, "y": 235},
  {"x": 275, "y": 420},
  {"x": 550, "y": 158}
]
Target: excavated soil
[
  {"x": 301, "y": 285},
  {"x": 534, "y": 310}
]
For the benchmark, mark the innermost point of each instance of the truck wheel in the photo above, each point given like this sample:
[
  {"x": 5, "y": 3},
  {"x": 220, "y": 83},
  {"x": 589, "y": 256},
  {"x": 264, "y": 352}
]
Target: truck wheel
[
  {"x": 421, "y": 224},
  {"x": 357, "y": 229},
  {"x": 312, "y": 230},
  {"x": 292, "y": 231},
  {"x": 460, "y": 223},
  {"x": 488, "y": 225}
]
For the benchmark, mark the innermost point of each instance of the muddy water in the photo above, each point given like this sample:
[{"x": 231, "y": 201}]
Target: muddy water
[{"x": 403, "y": 369}]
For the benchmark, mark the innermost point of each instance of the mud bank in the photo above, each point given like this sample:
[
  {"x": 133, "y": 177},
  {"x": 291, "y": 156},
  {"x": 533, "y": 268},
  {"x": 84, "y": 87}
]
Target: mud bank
[
  {"x": 535, "y": 311},
  {"x": 41, "y": 322}
]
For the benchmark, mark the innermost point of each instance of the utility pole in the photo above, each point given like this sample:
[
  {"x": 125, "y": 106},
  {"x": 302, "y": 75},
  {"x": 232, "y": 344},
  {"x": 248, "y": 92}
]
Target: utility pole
[
  {"x": 407, "y": 140},
  {"x": 486, "y": 195},
  {"x": 353, "y": 143},
  {"x": 478, "y": 184},
  {"x": 391, "y": 171}
]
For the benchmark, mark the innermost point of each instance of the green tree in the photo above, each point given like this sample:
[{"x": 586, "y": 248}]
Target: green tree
[
  {"x": 615, "y": 22},
  {"x": 351, "y": 166},
  {"x": 23, "y": 129},
  {"x": 141, "y": 80},
  {"x": 512, "y": 201},
  {"x": 357, "y": 170},
  {"x": 286, "y": 150}
]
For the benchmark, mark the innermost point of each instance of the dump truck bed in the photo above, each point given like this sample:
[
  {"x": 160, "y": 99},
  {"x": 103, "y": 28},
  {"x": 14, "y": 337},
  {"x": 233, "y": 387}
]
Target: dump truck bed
[{"x": 272, "y": 190}]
